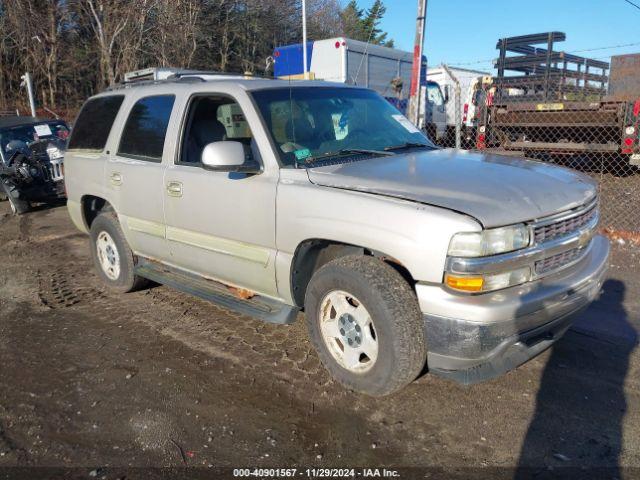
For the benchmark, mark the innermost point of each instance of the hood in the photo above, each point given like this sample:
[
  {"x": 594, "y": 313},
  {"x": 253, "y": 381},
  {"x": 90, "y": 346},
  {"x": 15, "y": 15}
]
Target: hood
[{"x": 496, "y": 190}]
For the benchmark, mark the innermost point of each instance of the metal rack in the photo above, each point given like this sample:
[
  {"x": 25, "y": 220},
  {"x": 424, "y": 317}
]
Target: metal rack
[
  {"x": 154, "y": 76},
  {"x": 546, "y": 74}
]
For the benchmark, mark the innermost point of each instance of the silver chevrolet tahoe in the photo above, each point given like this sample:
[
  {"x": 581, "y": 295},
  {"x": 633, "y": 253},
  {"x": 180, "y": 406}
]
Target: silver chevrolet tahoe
[{"x": 273, "y": 197}]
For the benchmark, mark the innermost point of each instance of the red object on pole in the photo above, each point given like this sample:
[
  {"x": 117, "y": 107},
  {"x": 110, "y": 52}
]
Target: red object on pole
[
  {"x": 414, "y": 90},
  {"x": 415, "y": 71}
]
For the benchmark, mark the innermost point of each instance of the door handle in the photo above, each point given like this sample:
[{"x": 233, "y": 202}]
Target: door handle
[
  {"x": 116, "y": 178},
  {"x": 174, "y": 189}
]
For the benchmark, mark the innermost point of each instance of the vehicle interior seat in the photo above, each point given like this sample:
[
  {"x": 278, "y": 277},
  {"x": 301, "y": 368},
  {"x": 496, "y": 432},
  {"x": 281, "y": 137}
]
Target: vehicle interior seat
[{"x": 204, "y": 129}]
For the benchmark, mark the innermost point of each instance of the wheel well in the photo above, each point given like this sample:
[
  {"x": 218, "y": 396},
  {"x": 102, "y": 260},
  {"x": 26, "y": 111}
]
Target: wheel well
[
  {"x": 92, "y": 207},
  {"x": 313, "y": 254}
]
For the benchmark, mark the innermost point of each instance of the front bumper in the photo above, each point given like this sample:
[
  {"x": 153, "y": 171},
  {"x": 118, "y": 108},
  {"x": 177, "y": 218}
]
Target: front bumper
[
  {"x": 59, "y": 191},
  {"x": 48, "y": 192},
  {"x": 40, "y": 192},
  {"x": 471, "y": 338}
]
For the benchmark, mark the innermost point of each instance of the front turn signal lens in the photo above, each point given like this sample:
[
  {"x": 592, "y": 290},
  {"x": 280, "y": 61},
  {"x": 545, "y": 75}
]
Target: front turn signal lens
[
  {"x": 488, "y": 282},
  {"x": 464, "y": 284}
]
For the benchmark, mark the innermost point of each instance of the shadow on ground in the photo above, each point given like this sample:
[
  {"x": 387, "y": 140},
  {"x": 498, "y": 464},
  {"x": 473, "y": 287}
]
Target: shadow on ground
[{"x": 569, "y": 436}]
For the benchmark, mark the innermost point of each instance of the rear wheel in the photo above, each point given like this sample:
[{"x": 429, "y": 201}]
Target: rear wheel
[
  {"x": 364, "y": 321},
  {"x": 112, "y": 256}
]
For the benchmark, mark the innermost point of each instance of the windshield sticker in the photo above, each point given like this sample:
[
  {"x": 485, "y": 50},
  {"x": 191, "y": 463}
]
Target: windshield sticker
[
  {"x": 340, "y": 125},
  {"x": 402, "y": 120},
  {"x": 43, "y": 130},
  {"x": 302, "y": 153}
]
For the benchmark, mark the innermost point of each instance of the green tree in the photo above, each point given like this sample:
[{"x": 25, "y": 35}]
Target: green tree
[
  {"x": 365, "y": 26},
  {"x": 352, "y": 26}
]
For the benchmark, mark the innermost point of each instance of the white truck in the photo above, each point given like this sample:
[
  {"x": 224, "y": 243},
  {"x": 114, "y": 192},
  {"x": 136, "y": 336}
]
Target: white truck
[
  {"x": 471, "y": 95},
  {"x": 385, "y": 70}
]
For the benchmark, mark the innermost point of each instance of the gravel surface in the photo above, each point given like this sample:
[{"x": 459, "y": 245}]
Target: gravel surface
[{"x": 161, "y": 379}]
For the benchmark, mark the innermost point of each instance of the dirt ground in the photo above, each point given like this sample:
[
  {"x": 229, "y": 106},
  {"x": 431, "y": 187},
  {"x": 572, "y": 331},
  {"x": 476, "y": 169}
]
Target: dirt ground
[{"x": 98, "y": 383}]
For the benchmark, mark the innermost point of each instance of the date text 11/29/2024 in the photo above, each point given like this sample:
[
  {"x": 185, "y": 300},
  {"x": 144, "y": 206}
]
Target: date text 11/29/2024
[{"x": 316, "y": 472}]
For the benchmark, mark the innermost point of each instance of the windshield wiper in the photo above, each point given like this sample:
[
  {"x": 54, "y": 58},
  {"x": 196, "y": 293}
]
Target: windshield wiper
[
  {"x": 406, "y": 145},
  {"x": 347, "y": 151}
]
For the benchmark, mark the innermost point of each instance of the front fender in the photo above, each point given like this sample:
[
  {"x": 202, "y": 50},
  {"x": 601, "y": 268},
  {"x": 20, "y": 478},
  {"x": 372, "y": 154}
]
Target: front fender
[{"x": 414, "y": 234}]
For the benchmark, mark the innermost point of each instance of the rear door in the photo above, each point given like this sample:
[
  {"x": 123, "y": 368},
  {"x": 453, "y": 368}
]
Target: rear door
[
  {"x": 84, "y": 160},
  {"x": 135, "y": 170}
]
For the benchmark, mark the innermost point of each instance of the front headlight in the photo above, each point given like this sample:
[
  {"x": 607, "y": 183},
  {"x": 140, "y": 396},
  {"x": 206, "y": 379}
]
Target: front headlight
[
  {"x": 54, "y": 153},
  {"x": 489, "y": 242}
]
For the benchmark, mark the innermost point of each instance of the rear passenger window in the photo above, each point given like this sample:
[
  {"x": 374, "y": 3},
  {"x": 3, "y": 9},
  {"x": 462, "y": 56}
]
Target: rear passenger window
[
  {"x": 145, "y": 130},
  {"x": 94, "y": 123}
]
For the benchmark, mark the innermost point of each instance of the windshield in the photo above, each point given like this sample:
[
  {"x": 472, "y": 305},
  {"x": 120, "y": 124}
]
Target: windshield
[
  {"x": 312, "y": 123},
  {"x": 434, "y": 94},
  {"x": 32, "y": 133}
]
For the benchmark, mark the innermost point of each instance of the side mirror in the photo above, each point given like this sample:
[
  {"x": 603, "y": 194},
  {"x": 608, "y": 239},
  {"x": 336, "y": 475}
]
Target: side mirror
[
  {"x": 446, "y": 93},
  {"x": 228, "y": 156}
]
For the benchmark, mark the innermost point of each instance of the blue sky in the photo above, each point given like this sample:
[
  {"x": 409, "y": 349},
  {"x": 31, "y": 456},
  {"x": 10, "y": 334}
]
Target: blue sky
[{"x": 463, "y": 31}]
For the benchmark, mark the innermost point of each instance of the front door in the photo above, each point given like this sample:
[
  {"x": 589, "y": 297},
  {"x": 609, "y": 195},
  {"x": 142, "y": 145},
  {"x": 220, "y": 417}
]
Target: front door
[{"x": 220, "y": 225}]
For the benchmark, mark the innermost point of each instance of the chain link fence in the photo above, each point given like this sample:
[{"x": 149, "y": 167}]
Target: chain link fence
[{"x": 551, "y": 120}]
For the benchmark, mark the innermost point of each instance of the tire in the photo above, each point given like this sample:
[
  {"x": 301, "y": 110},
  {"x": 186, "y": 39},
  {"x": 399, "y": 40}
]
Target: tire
[
  {"x": 112, "y": 257},
  {"x": 18, "y": 206},
  {"x": 394, "y": 323}
]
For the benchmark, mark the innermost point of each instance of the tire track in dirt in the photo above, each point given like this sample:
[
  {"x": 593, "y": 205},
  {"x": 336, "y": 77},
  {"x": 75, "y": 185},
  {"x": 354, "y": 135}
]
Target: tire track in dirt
[{"x": 281, "y": 351}]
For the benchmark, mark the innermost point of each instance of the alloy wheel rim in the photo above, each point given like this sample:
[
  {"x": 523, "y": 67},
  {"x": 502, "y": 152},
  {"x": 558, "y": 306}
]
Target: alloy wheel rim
[
  {"x": 108, "y": 255},
  {"x": 348, "y": 331}
]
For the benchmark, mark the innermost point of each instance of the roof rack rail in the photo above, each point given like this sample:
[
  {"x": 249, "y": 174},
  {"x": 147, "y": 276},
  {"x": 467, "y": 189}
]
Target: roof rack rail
[
  {"x": 197, "y": 73},
  {"x": 153, "y": 76}
]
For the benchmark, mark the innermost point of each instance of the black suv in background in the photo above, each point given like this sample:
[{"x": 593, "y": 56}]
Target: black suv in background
[{"x": 31, "y": 161}]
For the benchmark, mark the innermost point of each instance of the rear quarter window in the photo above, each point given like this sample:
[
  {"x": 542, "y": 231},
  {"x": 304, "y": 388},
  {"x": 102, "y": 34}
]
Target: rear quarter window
[
  {"x": 144, "y": 133},
  {"x": 94, "y": 123}
]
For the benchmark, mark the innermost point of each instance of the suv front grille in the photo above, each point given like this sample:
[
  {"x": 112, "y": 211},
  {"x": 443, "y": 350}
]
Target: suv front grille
[
  {"x": 558, "y": 261},
  {"x": 56, "y": 171},
  {"x": 558, "y": 242},
  {"x": 564, "y": 227}
]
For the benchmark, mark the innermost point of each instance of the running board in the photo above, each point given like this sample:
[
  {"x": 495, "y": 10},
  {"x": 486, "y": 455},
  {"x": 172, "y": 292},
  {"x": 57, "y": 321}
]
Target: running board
[{"x": 262, "y": 308}]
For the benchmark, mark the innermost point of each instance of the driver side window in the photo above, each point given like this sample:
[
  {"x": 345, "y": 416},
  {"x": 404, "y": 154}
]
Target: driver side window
[{"x": 212, "y": 119}]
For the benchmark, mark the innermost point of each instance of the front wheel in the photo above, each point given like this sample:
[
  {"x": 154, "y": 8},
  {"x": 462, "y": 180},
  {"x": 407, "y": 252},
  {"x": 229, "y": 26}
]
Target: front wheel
[
  {"x": 18, "y": 206},
  {"x": 364, "y": 321},
  {"x": 112, "y": 255}
]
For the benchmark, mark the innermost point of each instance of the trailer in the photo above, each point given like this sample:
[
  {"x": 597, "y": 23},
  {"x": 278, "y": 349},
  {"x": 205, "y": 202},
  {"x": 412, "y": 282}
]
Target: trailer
[
  {"x": 385, "y": 70},
  {"x": 556, "y": 103}
]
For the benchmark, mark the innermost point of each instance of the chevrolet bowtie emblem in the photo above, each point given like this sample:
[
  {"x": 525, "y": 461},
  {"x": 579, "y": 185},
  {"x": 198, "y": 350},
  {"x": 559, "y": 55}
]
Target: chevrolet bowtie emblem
[{"x": 584, "y": 238}]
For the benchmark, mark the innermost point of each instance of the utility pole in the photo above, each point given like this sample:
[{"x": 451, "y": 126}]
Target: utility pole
[
  {"x": 26, "y": 81},
  {"x": 414, "y": 92},
  {"x": 304, "y": 40}
]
